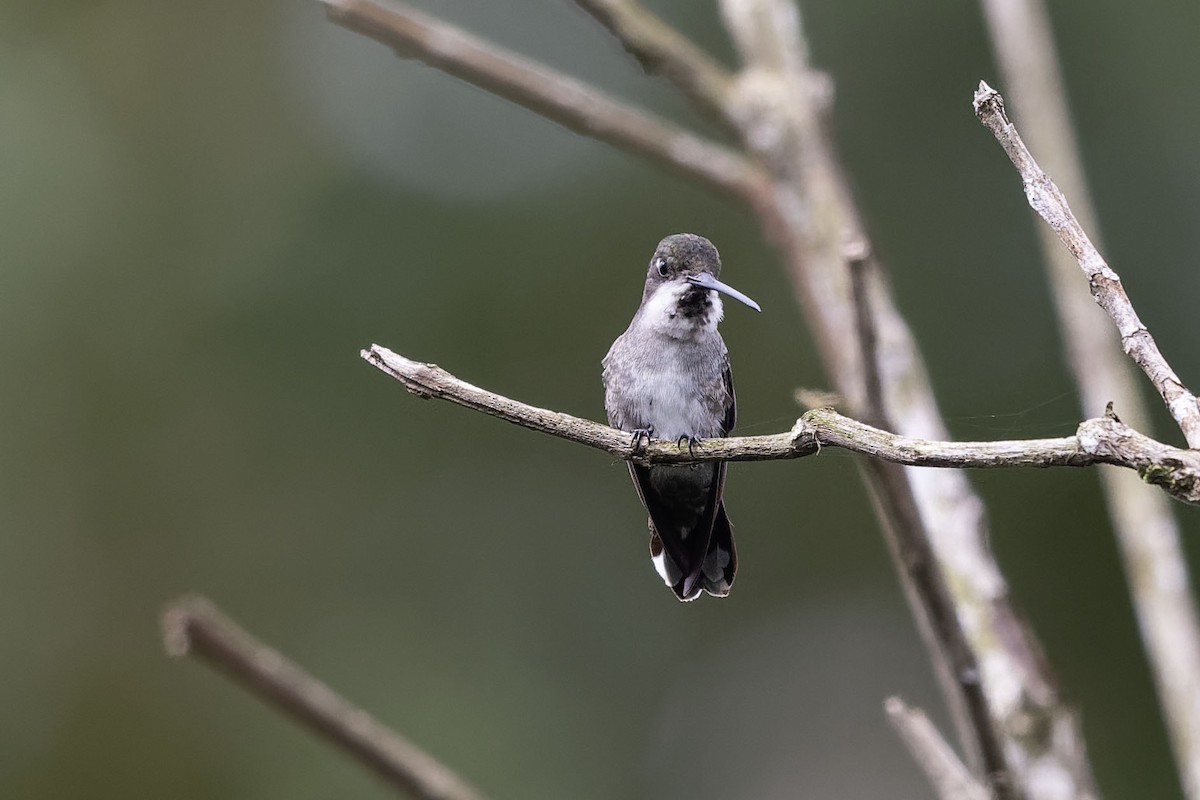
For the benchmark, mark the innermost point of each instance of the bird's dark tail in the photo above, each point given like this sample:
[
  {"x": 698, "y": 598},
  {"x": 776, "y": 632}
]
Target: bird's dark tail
[
  {"x": 720, "y": 562},
  {"x": 713, "y": 575}
]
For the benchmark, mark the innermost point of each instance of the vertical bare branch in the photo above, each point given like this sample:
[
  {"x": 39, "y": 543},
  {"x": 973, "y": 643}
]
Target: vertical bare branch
[
  {"x": 1155, "y": 566},
  {"x": 913, "y": 553},
  {"x": 1039, "y": 739},
  {"x": 194, "y": 626}
]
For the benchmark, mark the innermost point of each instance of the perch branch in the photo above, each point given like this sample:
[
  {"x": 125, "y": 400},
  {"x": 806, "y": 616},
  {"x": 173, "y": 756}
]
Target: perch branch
[
  {"x": 1105, "y": 440},
  {"x": 950, "y": 779},
  {"x": 1152, "y": 554},
  {"x": 1047, "y": 200},
  {"x": 573, "y": 104},
  {"x": 193, "y": 625}
]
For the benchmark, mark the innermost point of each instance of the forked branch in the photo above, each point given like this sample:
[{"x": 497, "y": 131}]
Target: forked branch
[{"x": 1046, "y": 199}]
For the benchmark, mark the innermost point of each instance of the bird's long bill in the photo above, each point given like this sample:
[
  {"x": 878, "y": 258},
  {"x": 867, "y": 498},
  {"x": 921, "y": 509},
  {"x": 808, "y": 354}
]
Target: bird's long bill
[{"x": 706, "y": 281}]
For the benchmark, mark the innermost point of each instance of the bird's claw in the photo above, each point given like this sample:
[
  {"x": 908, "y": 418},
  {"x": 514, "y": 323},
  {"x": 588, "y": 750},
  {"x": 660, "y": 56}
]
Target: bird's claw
[
  {"x": 692, "y": 441},
  {"x": 641, "y": 438}
]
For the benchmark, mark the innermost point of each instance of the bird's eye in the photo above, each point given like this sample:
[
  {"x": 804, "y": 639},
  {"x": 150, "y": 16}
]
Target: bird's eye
[{"x": 660, "y": 264}]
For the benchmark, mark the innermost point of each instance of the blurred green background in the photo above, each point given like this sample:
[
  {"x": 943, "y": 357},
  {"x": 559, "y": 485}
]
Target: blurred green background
[{"x": 207, "y": 210}]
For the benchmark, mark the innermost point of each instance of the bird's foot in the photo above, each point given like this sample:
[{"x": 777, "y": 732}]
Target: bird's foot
[
  {"x": 641, "y": 438},
  {"x": 692, "y": 441}
]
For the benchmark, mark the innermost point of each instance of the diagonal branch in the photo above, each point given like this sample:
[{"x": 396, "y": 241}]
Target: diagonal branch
[
  {"x": 1046, "y": 199},
  {"x": 951, "y": 780},
  {"x": 913, "y": 551},
  {"x": 578, "y": 106},
  {"x": 662, "y": 49},
  {"x": 194, "y": 626},
  {"x": 1105, "y": 440}
]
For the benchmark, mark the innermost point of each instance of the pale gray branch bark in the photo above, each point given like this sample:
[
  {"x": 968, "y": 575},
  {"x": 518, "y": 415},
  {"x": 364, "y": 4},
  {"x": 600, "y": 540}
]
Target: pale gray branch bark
[
  {"x": 1152, "y": 555},
  {"x": 194, "y": 626},
  {"x": 1105, "y": 440},
  {"x": 998, "y": 685},
  {"x": 815, "y": 226},
  {"x": 951, "y": 780}
]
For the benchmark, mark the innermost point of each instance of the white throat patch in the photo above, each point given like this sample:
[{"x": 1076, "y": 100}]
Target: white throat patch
[{"x": 663, "y": 315}]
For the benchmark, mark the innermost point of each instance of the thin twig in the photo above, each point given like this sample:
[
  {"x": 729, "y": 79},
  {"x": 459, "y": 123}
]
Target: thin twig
[
  {"x": 950, "y": 779},
  {"x": 194, "y": 626},
  {"x": 662, "y": 49},
  {"x": 574, "y": 104},
  {"x": 1152, "y": 555},
  {"x": 1103, "y": 440},
  {"x": 914, "y": 554},
  {"x": 1046, "y": 199},
  {"x": 860, "y": 262}
]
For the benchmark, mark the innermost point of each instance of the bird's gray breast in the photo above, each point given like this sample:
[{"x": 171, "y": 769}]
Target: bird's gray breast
[{"x": 676, "y": 388}]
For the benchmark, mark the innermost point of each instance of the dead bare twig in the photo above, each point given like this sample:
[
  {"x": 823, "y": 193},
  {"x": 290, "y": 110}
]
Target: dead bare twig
[
  {"x": 950, "y": 779},
  {"x": 1047, "y": 200},
  {"x": 194, "y": 626}
]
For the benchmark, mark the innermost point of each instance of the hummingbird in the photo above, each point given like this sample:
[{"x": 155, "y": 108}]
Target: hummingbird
[{"x": 667, "y": 377}]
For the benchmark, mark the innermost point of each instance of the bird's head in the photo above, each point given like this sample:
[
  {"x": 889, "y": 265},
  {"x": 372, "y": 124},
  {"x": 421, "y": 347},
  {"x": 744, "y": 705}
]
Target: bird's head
[{"x": 685, "y": 258}]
